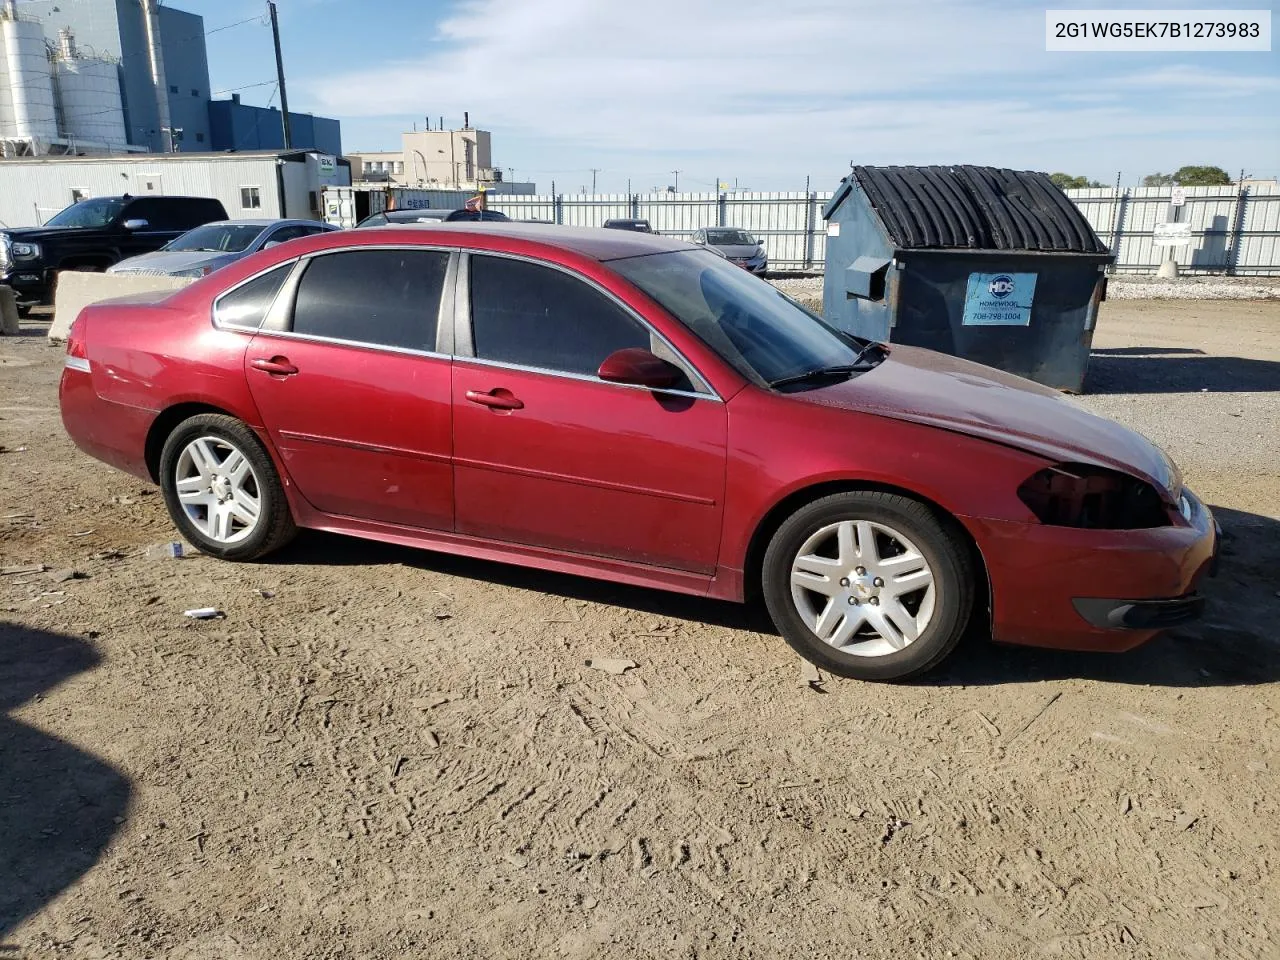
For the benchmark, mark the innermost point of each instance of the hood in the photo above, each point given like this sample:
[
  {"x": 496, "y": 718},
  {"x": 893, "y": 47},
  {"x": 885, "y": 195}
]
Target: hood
[
  {"x": 169, "y": 262},
  {"x": 738, "y": 251},
  {"x": 36, "y": 234},
  {"x": 944, "y": 391}
]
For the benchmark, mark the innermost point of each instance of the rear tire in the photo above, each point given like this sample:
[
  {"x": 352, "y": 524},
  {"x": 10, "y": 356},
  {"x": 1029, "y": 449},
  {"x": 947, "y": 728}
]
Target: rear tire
[
  {"x": 886, "y": 582},
  {"x": 222, "y": 489}
]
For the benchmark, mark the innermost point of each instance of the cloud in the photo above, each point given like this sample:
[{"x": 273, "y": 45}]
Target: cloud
[{"x": 782, "y": 89}]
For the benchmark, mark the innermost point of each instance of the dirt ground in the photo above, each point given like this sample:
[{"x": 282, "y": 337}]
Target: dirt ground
[{"x": 384, "y": 753}]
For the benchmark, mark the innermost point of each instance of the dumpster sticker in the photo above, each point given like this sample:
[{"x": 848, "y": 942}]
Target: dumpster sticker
[{"x": 999, "y": 299}]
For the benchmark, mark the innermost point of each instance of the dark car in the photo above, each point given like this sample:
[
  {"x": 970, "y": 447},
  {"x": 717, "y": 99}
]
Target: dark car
[
  {"x": 736, "y": 246},
  {"x": 390, "y": 218},
  {"x": 638, "y": 226},
  {"x": 627, "y": 407},
  {"x": 93, "y": 235}
]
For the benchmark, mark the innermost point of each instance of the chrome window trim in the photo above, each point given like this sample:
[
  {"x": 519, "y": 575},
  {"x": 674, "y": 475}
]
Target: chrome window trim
[
  {"x": 238, "y": 328},
  {"x": 360, "y": 344},
  {"x": 585, "y": 378},
  {"x": 448, "y": 306},
  {"x": 463, "y": 339},
  {"x": 463, "y": 343}
]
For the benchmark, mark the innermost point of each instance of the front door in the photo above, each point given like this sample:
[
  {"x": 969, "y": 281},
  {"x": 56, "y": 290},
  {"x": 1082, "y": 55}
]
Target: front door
[
  {"x": 354, "y": 395},
  {"x": 547, "y": 454}
]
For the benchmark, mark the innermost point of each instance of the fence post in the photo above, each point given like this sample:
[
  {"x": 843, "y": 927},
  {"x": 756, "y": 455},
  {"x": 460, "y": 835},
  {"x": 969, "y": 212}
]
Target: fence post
[
  {"x": 810, "y": 227},
  {"x": 557, "y": 202},
  {"x": 1122, "y": 207},
  {"x": 721, "y": 207},
  {"x": 1233, "y": 250},
  {"x": 634, "y": 200}
]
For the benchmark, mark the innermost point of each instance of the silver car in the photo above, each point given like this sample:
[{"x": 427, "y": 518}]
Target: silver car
[
  {"x": 199, "y": 252},
  {"x": 735, "y": 245}
]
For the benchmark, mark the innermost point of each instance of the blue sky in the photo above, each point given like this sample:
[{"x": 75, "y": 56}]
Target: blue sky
[{"x": 761, "y": 91}]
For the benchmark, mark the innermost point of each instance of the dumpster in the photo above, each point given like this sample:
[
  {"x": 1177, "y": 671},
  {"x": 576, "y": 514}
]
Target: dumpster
[{"x": 992, "y": 265}]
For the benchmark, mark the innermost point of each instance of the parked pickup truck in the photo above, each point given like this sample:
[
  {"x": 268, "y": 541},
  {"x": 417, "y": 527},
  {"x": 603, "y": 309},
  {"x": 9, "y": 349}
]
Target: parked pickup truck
[{"x": 93, "y": 235}]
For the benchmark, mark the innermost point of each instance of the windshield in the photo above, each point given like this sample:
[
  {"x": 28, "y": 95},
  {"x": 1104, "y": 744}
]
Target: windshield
[
  {"x": 218, "y": 238},
  {"x": 730, "y": 238},
  {"x": 88, "y": 213},
  {"x": 764, "y": 335}
]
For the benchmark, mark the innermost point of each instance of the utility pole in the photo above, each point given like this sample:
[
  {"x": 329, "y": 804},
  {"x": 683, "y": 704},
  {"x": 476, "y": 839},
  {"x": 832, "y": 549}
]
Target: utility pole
[
  {"x": 284, "y": 97},
  {"x": 594, "y": 171},
  {"x": 675, "y": 183}
]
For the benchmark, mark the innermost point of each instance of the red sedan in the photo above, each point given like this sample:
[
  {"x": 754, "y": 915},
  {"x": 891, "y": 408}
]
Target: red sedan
[{"x": 621, "y": 405}]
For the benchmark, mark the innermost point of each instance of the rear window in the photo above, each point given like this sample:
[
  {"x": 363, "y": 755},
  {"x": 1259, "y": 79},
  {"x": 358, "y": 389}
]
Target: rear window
[
  {"x": 174, "y": 213},
  {"x": 247, "y": 305},
  {"x": 388, "y": 298}
]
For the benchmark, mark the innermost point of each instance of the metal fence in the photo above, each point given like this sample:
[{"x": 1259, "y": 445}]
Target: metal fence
[{"x": 1233, "y": 230}]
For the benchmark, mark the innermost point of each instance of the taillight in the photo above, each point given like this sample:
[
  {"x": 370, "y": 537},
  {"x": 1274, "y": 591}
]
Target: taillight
[
  {"x": 77, "y": 345},
  {"x": 1083, "y": 495}
]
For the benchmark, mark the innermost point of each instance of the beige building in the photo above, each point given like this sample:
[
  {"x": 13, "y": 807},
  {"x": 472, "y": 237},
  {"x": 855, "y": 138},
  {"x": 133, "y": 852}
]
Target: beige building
[{"x": 442, "y": 159}]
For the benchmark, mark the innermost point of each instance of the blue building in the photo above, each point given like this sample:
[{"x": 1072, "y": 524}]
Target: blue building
[
  {"x": 238, "y": 126},
  {"x": 116, "y": 30}
]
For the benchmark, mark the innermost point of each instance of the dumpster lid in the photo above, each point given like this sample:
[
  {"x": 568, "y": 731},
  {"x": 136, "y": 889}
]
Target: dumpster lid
[{"x": 971, "y": 208}]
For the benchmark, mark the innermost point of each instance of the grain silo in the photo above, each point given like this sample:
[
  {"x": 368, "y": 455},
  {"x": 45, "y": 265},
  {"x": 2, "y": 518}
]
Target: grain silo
[
  {"x": 28, "y": 80},
  {"x": 89, "y": 90}
]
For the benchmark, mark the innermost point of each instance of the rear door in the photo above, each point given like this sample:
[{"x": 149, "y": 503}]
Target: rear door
[{"x": 353, "y": 390}]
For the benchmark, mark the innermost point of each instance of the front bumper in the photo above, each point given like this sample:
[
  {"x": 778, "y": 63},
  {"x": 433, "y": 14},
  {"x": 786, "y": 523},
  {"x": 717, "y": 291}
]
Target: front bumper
[
  {"x": 1106, "y": 590},
  {"x": 30, "y": 284}
]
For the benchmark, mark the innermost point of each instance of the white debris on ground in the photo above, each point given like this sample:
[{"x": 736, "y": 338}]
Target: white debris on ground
[{"x": 808, "y": 290}]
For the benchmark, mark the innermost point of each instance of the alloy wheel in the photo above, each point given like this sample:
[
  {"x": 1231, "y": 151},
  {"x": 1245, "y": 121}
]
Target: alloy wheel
[
  {"x": 863, "y": 588},
  {"x": 218, "y": 489}
]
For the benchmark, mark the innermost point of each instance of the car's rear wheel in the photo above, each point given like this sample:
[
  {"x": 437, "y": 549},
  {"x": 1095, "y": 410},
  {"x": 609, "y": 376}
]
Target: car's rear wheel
[
  {"x": 869, "y": 585},
  {"x": 222, "y": 489}
]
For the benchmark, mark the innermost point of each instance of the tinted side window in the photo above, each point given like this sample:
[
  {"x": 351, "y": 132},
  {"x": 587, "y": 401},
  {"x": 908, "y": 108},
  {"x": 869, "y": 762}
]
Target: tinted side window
[
  {"x": 386, "y": 297},
  {"x": 247, "y": 305},
  {"x": 539, "y": 317},
  {"x": 288, "y": 233}
]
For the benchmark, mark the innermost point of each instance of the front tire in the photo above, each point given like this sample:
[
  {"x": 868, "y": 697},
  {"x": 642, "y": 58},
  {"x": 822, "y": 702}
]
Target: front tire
[
  {"x": 869, "y": 585},
  {"x": 222, "y": 490}
]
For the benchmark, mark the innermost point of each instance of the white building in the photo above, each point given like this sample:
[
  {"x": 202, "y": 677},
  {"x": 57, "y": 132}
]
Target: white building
[{"x": 258, "y": 184}]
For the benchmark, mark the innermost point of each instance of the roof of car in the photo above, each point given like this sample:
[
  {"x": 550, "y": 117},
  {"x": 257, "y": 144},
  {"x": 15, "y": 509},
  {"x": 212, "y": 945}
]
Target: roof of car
[
  {"x": 262, "y": 222},
  {"x": 594, "y": 242}
]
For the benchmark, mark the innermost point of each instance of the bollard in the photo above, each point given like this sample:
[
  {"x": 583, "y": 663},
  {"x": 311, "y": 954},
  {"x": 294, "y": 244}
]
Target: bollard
[{"x": 8, "y": 311}]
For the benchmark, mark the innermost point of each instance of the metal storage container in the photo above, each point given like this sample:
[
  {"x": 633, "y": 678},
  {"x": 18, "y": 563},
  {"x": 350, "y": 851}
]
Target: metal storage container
[{"x": 992, "y": 265}]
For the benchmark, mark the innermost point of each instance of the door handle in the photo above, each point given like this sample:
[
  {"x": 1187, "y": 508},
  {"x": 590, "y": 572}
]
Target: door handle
[
  {"x": 279, "y": 366},
  {"x": 497, "y": 399}
]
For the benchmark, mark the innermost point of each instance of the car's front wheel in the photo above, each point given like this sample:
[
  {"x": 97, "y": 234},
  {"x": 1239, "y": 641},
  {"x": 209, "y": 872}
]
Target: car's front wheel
[
  {"x": 222, "y": 489},
  {"x": 869, "y": 585}
]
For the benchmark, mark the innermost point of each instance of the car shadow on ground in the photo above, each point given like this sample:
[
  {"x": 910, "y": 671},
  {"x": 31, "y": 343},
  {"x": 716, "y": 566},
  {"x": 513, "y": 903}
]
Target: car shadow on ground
[
  {"x": 335, "y": 550},
  {"x": 1235, "y": 644},
  {"x": 1170, "y": 370},
  {"x": 59, "y": 806}
]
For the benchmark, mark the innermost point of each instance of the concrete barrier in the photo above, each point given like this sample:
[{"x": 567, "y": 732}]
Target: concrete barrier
[
  {"x": 8, "y": 311},
  {"x": 76, "y": 290}
]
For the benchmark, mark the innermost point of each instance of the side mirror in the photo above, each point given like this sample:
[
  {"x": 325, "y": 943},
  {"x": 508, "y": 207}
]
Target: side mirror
[
  {"x": 271, "y": 243},
  {"x": 136, "y": 224},
  {"x": 639, "y": 367}
]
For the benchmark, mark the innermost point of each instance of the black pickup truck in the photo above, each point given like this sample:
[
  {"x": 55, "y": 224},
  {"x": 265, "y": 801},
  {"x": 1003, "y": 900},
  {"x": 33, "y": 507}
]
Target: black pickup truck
[{"x": 92, "y": 235}]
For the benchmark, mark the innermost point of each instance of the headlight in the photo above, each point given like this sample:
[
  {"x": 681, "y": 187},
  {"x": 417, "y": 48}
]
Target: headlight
[
  {"x": 193, "y": 272},
  {"x": 25, "y": 251},
  {"x": 4, "y": 249},
  {"x": 1082, "y": 495}
]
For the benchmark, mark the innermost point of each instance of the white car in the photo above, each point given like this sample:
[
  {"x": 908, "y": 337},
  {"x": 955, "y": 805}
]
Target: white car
[{"x": 199, "y": 252}]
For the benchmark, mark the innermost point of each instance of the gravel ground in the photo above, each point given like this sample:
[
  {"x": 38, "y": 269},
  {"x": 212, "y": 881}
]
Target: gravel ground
[{"x": 387, "y": 753}]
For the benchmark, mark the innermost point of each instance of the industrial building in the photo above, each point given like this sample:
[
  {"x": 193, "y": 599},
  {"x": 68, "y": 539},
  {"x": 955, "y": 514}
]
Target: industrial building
[
  {"x": 265, "y": 183},
  {"x": 111, "y": 76},
  {"x": 440, "y": 159}
]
